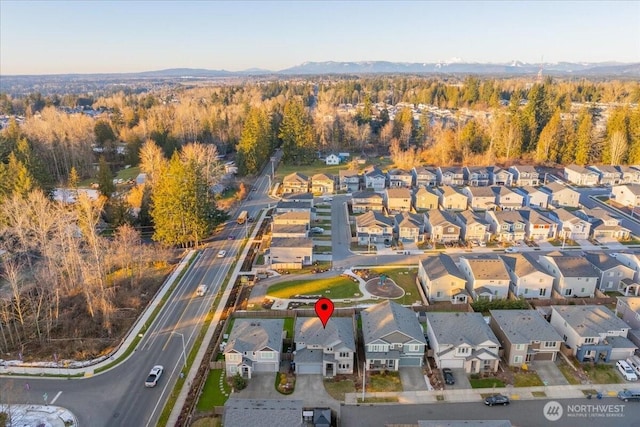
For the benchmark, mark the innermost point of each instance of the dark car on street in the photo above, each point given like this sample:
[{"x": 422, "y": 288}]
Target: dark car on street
[
  {"x": 496, "y": 399},
  {"x": 448, "y": 376}
]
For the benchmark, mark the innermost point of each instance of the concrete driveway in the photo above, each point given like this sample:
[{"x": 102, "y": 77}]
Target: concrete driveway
[
  {"x": 260, "y": 386},
  {"x": 412, "y": 379},
  {"x": 462, "y": 380},
  {"x": 310, "y": 389},
  {"x": 549, "y": 373}
]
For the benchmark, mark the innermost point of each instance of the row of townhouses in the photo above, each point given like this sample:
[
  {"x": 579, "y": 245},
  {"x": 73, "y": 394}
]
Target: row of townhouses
[{"x": 291, "y": 242}]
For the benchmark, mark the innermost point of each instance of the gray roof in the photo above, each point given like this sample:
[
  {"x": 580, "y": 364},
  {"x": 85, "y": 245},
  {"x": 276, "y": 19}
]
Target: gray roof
[
  {"x": 337, "y": 333},
  {"x": 481, "y": 192},
  {"x": 291, "y": 242},
  {"x": 487, "y": 268},
  {"x": 409, "y": 220},
  {"x": 524, "y": 326},
  {"x": 554, "y": 187},
  {"x": 602, "y": 261},
  {"x": 262, "y": 413},
  {"x": 398, "y": 193},
  {"x": 289, "y": 228},
  {"x": 371, "y": 218},
  {"x": 459, "y": 328},
  {"x": 297, "y": 197},
  {"x": 574, "y": 266},
  {"x": 470, "y": 217},
  {"x": 589, "y": 320},
  {"x": 293, "y": 204},
  {"x": 440, "y": 266},
  {"x": 366, "y": 195},
  {"x": 387, "y": 317},
  {"x": 255, "y": 335},
  {"x": 523, "y": 264},
  {"x": 621, "y": 342},
  {"x": 296, "y": 177},
  {"x": 463, "y": 423}
]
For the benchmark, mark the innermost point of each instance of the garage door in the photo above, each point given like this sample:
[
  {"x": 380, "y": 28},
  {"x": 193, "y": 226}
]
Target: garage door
[
  {"x": 265, "y": 367},
  {"x": 410, "y": 361},
  {"x": 308, "y": 368},
  {"x": 452, "y": 363},
  {"x": 544, "y": 356}
]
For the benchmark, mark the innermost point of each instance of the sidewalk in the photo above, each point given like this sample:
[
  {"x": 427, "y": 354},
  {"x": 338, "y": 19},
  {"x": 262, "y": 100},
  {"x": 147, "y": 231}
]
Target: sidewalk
[{"x": 39, "y": 415}]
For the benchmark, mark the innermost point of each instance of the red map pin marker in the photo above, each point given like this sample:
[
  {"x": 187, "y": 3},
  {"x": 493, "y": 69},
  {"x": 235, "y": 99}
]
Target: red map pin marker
[{"x": 324, "y": 310}]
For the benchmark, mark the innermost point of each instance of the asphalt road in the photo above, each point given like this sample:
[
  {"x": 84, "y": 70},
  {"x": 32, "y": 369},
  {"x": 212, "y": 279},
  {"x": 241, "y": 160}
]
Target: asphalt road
[{"x": 523, "y": 413}]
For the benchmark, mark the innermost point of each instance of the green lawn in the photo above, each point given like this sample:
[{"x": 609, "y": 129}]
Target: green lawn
[
  {"x": 339, "y": 287},
  {"x": 602, "y": 374},
  {"x": 526, "y": 379},
  {"x": 211, "y": 394},
  {"x": 320, "y": 249},
  {"x": 406, "y": 279},
  {"x": 129, "y": 173},
  {"x": 288, "y": 327},
  {"x": 486, "y": 383},
  {"x": 389, "y": 381},
  {"x": 338, "y": 389}
]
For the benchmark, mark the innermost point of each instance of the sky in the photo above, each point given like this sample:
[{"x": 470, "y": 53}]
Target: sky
[{"x": 56, "y": 37}]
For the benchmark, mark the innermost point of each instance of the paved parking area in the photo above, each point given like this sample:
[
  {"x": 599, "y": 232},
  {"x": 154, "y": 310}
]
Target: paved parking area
[
  {"x": 412, "y": 379},
  {"x": 549, "y": 373},
  {"x": 260, "y": 386},
  {"x": 462, "y": 380}
]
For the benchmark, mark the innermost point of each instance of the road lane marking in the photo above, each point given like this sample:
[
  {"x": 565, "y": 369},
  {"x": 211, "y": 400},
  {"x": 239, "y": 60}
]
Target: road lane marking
[{"x": 55, "y": 398}]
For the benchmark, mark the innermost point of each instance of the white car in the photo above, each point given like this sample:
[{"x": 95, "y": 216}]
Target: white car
[
  {"x": 222, "y": 254},
  {"x": 512, "y": 249},
  {"x": 154, "y": 376},
  {"x": 626, "y": 371}
]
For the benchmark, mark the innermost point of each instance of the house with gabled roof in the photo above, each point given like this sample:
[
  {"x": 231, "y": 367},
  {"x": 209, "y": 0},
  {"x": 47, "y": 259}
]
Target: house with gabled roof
[
  {"x": 604, "y": 224},
  {"x": 607, "y": 174},
  {"x": 463, "y": 341},
  {"x": 322, "y": 183},
  {"x": 426, "y": 198},
  {"x": 328, "y": 350},
  {"x": 426, "y": 176},
  {"x": 480, "y": 198},
  {"x": 254, "y": 345},
  {"x": 453, "y": 176},
  {"x": 364, "y": 201},
  {"x": 441, "y": 279},
  {"x": 332, "y": 160},
  {"x": 626, "y": 195},
  {"x": 398, "y": 199},
  {"x": 393, "y": 337},
  {"x": 374, "y": 179},
  {"x": 290, "y": 253},
  {"x": 630, "y": 175},
  {"x": 631, "y": 260},
  {"x": 592, "y": 332},
  {"x": 499, "y": 176},
  {"x": 579, "y": 175},
  {"x": 409, "y": 227},
  {"x": 295, "y": 183},
  {"x": 373, "y": 227},
  {"x": 525, "y": 336},
  {"x": 533, "y": 197},
  {"x": 612, "y": 272},
  {"x": 628, "y": 309},
  {"x": 573, "y": 276},
  {"x": 506, "y": 226},
  {"x": 399, "y": 178},
  {"x": 487, "y": 278},
  {"x": 570, "y": 226},
  {"x": 451, "y": 199},
  {"x": 440, "y": 227},
  {"x": 506, "y": 198},
  {"x": 528, "y": 277},
  {"x": 537, "y": 226},
  {"x": 525, "y": 175},
  {"x": 476, "y": 176},
  {"x": 561, "y": 196},
  {"x": 473, "y": 227},
  {"x": 263, "y": 412},
  {"x": 349, "y": 180}
]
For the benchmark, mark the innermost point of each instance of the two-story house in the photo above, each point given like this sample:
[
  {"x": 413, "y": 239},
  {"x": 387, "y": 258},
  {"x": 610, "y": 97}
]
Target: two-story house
[
  {"x": 290, "y": 253},
  {"x": 425, "y": 176},
  {"x": 295, "y": 183},
  {"x": 499, "y": 176},
  {"x": 525, "y": 336},
  {"x": 570, "y": 226},
  {"x": 441, "y": 279},
  {"x": 630, "y": 175},
  {"x": 611, "y": 270},
  {"x": 462, "y": 341},
  {"x": 374, "y": 179},
  {"x": 487, "y": 278},
  {"x": 409, "y": 227},
  {"x": 254, "y": 345},
  {"x": 528, "y": 278},
  {"x": 349, "y": 180},
  {"x": 538, "y": 227},
  {"x": 400, "y": 178},
  {"x": 426, "y": 198},
  {"x": 525, "y": 175},
  {"x": 321, "y": 183},
  {"x": 506, "y": 198},
  {"x": 533, "y": 197},
  {"x": 373, "y": 227},
  {"x": 480, "y": 198},
  {"x": 473, "y": 227},
  {"x": 398, "y": 199},
  {"x": 626, "y": 195},
  {"x": 476, "y": 176},
  {"x": 506, "y": 226},
  {"x": 579, "y": 175},
  {"x": 559, "y": 195},
  {"x": 393, "y": 337},
  {"x": 631, "y": 260},
  {"x": 451, "y": 199},
  {"x": 628, "y": 309},
  {"x": 328, "y": 350},
  {"x": 332, "y": 160},
  {"x": 607, "y": 174},
  {"x": 573, "y": 276},
  {"x": 592, "y": 332},
  {"x": 364, "y": 201},
  {"x": 453, "y": 176},
  {"x": 440, "y": 227},
  {"x": 604, "y": 225}
]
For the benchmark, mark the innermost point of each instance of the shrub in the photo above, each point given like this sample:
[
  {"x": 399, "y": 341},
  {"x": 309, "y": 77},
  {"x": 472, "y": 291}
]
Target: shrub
[{"x": 239, "y": 383}]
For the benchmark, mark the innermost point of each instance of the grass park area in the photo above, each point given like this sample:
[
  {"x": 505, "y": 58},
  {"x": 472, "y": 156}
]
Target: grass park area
[
  {"x": 406, "y": 279},
  {"x": 335, "y": 287},
  {"x": 211, "y": 393}
]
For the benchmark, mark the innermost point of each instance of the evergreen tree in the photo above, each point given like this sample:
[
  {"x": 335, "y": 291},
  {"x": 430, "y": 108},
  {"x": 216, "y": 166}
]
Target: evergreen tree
[
  {"x": 255, "y": 145},
  {"x": 105, "y": 178},
  {"x": 296, "y": 132},
  {"x": 634, "y": 136},
  {"x": 584, "y": 138},
  {"x": 537, "y": 115},
  {"x": 550, "y": 139}
]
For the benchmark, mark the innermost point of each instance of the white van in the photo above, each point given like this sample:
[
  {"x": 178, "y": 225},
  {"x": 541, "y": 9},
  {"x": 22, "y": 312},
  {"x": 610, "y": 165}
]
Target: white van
[
  {"x": 626, "y": 371},
  {"x": 202, "y": 289},
  {"x": 634, "y": 362}
]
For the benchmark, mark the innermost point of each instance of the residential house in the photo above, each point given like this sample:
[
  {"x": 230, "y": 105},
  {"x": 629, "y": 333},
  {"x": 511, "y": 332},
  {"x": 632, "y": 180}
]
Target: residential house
[
  {"x": 332, "y": 160},
  {"x": 592, "y": 332},
  {"x": 284, "y": 206},
  {"x": 349, "y": 180},
  {"x": 453, "y": 176},
  {"x": 487, "y": 278},
  {"x": 393, "y": 337},
  {"x": 538, "y": 227},
  {"x": 525, "y": 175},
  {"x": 525, "y": 336},
  {"x": 262, "y": 413},
  {"x": 570, "y": 226},
  {"x": 607, "y": 174},
  {"x": 293, "y": 218},
  {"x": 400, "y": 178},
  {"x": 626, "y": 195},
  {"x": 506, "y": 198},
  {"x": 322, "y": 183},
  {"x": 426, "y": 198},
  {"x": 288, "y": 253},
  {"x": 611, "y": 270},
  {"x": 295, "y": 183},
  {"x": 364, "y": 201},
  {"x": 328, "y": 350},
  {"x": 480, "y": 198},
  {"x": 473, "y": 227},
  {"x": 573, "y": 276},
  {"x": 254, "y": 345},
  {"x": 631, "y": 260},
  {"x": 463, "y": 341},
  {"x": 476, "y": 176},
  {"x": 561, "y": 196},
  {"x": 604, "y": 225},
  {"x": 425, "y": 176},
  {"x": 441, "y": 279},
  {"x": 452, "y": 199},
  {"x": 533, "y": 197},
  {"x": 499, "y": 176},
  {"x": 374, "y": 179},
  {"x": 398, "y": 199},
  {"x": 441, "y": 227},
  {"x": 409, "y": 227},
  {"x": 579, "y": 175},
  {"x": 528, "y": 278},
  {"x": 628, "y": 309},
  {"x": 373, "y": 227},
  {"x": 630, "y": 175},
  {"x": 506, "y": 226}
]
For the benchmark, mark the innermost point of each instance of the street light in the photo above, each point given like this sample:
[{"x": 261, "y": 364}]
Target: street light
[{"x": 184, "y": 355}]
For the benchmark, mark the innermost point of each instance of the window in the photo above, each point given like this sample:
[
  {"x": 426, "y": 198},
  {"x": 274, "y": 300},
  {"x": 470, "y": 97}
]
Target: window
[
  {"x": 519, "y": 346},
  {"x": 549, "y": 344},
  {"x": 543, "y": 292},
  {"x": 582, "y": 290},
  {"x": 568, "y": 291},
  {"x": 343, "y": 355},
  {"x": 463, "y": 350},
  {"x": 267, "y": 355},
  {"x": 589, "y": 340},
  {"x": 517, "y": 359},
  {"x": 438, "y": 294}
]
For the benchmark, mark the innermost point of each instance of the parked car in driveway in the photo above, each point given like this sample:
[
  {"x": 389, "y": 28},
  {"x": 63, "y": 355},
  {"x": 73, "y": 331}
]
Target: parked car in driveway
[
  {"x": 154, "y": 376},
  {"x": 496, "y": 399},
  {"x": 316, "y": 230},
  {"x": 626, "y": 370},
  {"x": 448, "y": 376}
]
